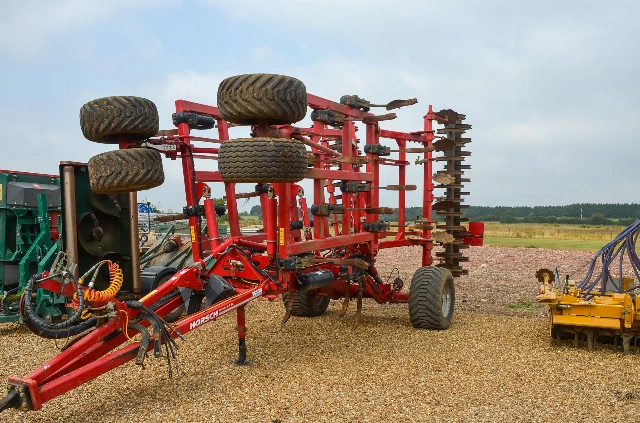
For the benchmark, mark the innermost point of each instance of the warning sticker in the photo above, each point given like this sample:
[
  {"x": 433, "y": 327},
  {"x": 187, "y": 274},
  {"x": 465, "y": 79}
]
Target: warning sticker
[
  {"x": 281, "y": 236},
  {"x": 148, "y": 295},
  {"x": 193, "y": 235},
  {"x": 0, "y": 192}
]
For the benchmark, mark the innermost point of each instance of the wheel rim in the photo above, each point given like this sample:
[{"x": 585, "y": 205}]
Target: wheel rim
[{"x": 446, "y": 300}]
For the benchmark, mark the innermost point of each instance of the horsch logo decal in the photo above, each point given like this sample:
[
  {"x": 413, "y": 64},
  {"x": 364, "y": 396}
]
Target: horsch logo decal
[
  {"x": 215, "y": 314},
  {"x": 211, "y": 316}
]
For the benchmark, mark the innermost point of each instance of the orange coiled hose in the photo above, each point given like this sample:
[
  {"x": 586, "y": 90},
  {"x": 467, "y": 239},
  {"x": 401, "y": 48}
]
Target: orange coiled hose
[{"x": 94, "y": 296}]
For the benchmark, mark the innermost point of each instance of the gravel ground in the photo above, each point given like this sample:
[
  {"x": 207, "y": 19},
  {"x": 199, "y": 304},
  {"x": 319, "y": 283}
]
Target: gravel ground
[{"x": 495, "y": 363}]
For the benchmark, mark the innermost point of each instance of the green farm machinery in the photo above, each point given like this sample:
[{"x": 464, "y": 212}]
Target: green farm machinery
[
  {"x": 29, "y": 240},
  {"x": 41, "y": 215}
]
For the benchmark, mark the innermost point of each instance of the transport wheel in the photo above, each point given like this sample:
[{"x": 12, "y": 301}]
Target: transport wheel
[
  {"x": 307, "y": 304},
  {"x": 118, "y": 171},
  {"x": 103, "y": 120},
  {"x": 244, "y": 99},
  {"x": 262, "y": 160},
  {"x": 431, "y": 298}
]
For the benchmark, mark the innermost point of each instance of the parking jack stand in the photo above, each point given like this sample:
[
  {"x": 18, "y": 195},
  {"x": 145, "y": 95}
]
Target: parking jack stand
[{"x": 242, "y": 344}]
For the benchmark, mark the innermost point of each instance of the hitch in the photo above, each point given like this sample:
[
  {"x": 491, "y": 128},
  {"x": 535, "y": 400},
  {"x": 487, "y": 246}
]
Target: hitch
[
  {"x": 17, "y": 397},
  {"x": 11, "y": 400}
]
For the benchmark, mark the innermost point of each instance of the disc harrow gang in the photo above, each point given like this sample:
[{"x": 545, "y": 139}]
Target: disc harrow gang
[{"x": 451, "y": 180}]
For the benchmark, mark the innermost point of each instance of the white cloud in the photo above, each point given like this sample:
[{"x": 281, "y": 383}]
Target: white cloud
[{"x": 28, "y": 26}]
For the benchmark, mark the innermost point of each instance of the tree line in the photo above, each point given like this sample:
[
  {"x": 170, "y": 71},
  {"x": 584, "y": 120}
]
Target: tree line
[{"x": 578, "y": 214}]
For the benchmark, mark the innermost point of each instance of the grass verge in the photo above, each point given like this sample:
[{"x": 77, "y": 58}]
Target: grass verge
[{"x": 551, "y": 244}]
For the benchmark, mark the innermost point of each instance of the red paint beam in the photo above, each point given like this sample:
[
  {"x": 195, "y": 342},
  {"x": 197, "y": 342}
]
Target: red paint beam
[
  {"x": 208, "y": 176},
  {"x": 190, "y": 106}
]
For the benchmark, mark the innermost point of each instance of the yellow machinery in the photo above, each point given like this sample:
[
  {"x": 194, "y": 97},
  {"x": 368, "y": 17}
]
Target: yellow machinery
[{"x": 600, "y": 306}]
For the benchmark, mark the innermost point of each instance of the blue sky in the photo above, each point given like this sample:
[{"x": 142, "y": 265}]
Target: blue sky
[{"x": 550, "y": 87}]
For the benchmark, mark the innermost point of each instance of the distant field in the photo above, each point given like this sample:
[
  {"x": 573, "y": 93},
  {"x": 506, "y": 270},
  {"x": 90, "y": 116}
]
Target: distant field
[{"x": 551, "y": 236}]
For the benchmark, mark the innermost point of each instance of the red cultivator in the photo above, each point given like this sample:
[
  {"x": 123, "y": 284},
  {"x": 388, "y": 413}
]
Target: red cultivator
[{"x": 309, "y": 253}]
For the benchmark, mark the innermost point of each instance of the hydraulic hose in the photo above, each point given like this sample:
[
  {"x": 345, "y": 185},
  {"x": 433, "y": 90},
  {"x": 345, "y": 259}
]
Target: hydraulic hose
[
  {"x": 48, "y": 330},
  {"x": 623, "y": 243},
  {"x": 144, "y": 343},
  {"x": 165, "y": 335},
  {"x": 94, "y": 296}
]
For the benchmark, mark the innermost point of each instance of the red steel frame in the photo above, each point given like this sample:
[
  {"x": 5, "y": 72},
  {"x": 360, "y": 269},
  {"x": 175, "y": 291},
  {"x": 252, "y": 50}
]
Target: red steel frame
[{"x": 254, "y": 275}]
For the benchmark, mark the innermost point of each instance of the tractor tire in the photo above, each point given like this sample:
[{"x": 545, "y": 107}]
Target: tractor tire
[
  {"x": 245, "y": 99},
  {"x": 103, "y": 120},
  {"x": 306, "y": 304},
  {"x": 262, "y": 160},
  {"x": 119, "y": 171},
  {"x": 431, "y": 298}
]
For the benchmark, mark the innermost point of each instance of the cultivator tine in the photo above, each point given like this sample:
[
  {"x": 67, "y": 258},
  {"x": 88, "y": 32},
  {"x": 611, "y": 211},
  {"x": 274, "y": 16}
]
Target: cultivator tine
[
  {"x": 364, "y": 105},
  {"x": 396, "y": 104},
  {"x": 358, "y": 315},
  {"x": 626, "y": 344},
  {"x": 421, "y": 227},
  {"x": 354, "y": 160},
  {"x": 246, "y": 195},
  {"x": 287, "y": 314},
  {"x": 380, "y": 118},
  {"x": 589, "y": 340},
  {"x": 415, "y": 150},
  {"x": 375, "y": 210},
  {"x": 398, "y": 187}
]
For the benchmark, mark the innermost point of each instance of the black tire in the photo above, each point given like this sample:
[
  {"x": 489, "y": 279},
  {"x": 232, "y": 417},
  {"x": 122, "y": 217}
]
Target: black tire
[
  {"x": 103, "y": 120},
  {"x": 118, "y": 171},
  {"x": 431, "y": 298},
  {"x": 262, "y": 160},
  {"x": 306, "y": 304},
  {"x": 244, "y": 99}
]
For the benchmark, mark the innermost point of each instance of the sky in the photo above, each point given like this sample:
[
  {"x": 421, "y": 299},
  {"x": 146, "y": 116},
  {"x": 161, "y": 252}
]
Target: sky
[{"x": 551, "y": 87}]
